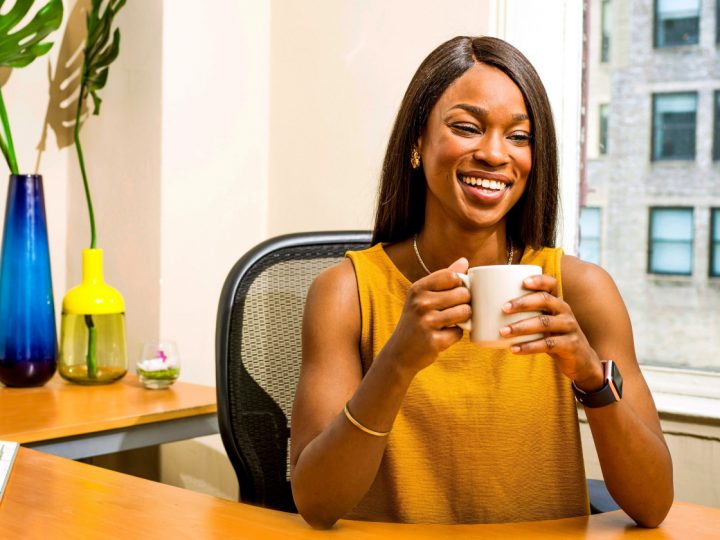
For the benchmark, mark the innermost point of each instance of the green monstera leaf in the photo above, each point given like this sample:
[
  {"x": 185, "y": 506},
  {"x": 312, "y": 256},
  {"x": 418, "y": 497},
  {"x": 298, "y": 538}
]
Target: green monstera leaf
[
  {"x": 19, "y": 47},
  {"x": 99, "y": 54}
]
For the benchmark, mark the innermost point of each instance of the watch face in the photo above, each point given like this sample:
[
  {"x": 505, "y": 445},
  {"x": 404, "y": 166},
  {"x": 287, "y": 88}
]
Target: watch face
[{"x": 617, "y": 380}]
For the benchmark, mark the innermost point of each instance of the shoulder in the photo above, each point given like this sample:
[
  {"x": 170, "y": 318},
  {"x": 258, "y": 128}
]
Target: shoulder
[
  {"x": 592, "y": 294},
  {"x": 335, "y": 282},
  {"x": 333, "y": 295},
  {"x": 581, "y": 278}
]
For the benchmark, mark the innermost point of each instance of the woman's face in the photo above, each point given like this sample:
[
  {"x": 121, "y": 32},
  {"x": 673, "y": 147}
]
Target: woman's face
[{"x": 475, "y": 149}]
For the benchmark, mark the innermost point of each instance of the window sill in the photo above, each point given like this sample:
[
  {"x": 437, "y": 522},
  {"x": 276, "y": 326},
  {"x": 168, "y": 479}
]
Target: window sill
[
  {"x": 685, "y": 394},
  {"x": 688, "y": 401}
]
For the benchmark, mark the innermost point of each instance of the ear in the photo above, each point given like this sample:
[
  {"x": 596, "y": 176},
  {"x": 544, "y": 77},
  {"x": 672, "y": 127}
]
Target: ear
[{"x": 418, "y": 144}]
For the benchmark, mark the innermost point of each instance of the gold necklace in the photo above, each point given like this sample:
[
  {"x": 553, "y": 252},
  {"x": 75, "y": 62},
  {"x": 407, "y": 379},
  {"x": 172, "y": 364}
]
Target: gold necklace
[{"x": 511, "y": 252}]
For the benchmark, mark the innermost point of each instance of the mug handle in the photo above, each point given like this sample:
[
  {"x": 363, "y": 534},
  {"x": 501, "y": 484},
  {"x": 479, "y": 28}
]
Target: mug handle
[{"x": 467, "y": 325}]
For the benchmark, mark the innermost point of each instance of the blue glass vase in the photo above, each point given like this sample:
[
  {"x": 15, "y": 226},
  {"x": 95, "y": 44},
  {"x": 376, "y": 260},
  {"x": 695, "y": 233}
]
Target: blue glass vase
[{"x": 28, "y": 340}]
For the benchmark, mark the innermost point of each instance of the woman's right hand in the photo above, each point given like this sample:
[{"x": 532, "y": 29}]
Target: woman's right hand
[{"x": 435, "y": 304}]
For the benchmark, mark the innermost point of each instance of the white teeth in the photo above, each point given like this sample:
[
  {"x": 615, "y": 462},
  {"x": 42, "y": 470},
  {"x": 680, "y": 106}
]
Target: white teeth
[{"x": 494, "y": 185}]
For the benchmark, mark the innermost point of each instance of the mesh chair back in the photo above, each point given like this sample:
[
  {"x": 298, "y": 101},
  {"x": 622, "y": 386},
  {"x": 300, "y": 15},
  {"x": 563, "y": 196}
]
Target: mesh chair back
[{"x": 258, "y": 354}]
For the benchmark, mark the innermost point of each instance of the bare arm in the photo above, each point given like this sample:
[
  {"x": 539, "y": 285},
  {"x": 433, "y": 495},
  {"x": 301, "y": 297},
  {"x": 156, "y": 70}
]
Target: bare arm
[
  {"x": 333, "y": 462},
  {"x": 592, "y": 324}
]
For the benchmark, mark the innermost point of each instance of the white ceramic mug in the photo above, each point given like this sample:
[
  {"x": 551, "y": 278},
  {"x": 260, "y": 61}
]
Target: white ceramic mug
[{"x": 490, "y": 287}]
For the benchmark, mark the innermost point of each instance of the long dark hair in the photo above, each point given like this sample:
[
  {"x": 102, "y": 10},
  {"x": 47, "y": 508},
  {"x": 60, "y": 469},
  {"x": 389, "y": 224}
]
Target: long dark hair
[{"x": 401, "y": 203}]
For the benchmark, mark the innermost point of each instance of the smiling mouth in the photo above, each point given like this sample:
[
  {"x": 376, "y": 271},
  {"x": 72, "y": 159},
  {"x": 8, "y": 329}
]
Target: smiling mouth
[{"x": 484, "y": 184}]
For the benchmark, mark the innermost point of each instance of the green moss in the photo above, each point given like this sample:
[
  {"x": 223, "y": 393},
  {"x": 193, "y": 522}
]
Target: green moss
[{"x": 170, "y": 373}]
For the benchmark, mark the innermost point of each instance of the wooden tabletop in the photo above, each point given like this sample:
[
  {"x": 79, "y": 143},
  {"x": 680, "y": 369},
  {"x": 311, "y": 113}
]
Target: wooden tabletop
[
  {"x": 52, "y": 497},
  {"x": 62, "y": 409}
]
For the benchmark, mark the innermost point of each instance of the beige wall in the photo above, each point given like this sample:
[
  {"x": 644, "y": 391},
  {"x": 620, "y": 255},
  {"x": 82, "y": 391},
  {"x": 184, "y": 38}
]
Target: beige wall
[{"x": 338, "y": 73}]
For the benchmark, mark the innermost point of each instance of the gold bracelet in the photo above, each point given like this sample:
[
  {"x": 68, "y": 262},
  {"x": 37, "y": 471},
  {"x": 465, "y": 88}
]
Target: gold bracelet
[{"x": 361, "y": 427}]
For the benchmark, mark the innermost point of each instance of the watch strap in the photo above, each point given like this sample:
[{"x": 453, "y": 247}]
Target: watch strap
[{"x": 608, "y": 394}]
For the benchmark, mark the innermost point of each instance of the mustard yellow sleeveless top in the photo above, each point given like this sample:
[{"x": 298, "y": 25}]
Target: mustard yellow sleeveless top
[{"x": 483, "y": 436}]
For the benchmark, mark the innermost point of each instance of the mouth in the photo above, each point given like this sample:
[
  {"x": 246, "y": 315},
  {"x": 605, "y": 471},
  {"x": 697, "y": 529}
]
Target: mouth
[{"x": 488, "y": 186}]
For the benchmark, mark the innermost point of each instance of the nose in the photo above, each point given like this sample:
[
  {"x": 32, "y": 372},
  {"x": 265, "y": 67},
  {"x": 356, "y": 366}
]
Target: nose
[{"x": 491, "y": 149}]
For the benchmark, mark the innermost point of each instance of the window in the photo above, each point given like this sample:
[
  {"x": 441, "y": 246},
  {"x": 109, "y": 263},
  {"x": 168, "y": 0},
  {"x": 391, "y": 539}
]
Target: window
[
  {"x": 677, "y": 22},
  {"x": 659, "y": 219},
  {"x": 671, "y": 241},
  {"x": 673, "y": 133},
  {"x": 606, "y": 15},
  {"x": 603, "y": 139},
  {"x": 716, "y": 131},
  {"x": 590, "y": 234},
  {"x": 715, "y": 243}
]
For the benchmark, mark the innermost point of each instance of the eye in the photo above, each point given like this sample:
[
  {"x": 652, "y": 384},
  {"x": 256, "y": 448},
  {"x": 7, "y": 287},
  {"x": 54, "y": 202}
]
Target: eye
[
  {"x": 520, "y": 138},
  {"x": 465, "y": 128}
]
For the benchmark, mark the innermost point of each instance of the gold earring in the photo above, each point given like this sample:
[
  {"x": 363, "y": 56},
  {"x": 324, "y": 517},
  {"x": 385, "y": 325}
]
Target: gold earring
[{"x": 414, "y": 158}]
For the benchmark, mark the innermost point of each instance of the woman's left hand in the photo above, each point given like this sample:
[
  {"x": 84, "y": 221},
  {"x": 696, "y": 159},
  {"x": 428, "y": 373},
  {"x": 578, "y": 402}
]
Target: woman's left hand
[{"x": 563, "y": 338}]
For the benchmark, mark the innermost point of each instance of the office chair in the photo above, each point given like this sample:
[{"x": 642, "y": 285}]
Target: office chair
[{"x": 258, "y": 353}]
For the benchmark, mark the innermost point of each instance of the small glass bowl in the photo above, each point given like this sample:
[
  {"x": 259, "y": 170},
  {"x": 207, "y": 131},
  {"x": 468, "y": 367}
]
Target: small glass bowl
[{"x": 159, "y": 365}]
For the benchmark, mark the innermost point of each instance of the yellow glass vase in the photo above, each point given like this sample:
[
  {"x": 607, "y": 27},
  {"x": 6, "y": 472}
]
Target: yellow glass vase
[{"x": 92, "y": 336}]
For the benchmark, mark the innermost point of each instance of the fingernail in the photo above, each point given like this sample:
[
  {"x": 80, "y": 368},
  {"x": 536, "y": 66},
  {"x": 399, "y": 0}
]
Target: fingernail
[
  {"x": 507, "y": 306},
  {"x": 505, "y": 330},
  {"x": 515, "y": 349}
]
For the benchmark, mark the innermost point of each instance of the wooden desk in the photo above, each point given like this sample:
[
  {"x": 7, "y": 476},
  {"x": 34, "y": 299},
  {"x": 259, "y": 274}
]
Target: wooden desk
[
  {"x": 52, "y": 497},
  {"x": 77, "y": 421}
]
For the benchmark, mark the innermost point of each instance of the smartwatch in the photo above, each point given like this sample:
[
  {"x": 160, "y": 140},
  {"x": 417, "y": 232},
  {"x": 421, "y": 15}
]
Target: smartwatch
[{"x": 608, "y": 394}]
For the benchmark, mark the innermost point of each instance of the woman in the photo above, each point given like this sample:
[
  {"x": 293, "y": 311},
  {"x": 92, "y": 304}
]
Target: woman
[{"x": 398, "y": 416}]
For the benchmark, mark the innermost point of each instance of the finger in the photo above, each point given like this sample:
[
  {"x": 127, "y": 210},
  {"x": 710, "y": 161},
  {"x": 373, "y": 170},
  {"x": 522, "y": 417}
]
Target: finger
[
  {"x": 536, "y": 301},
  {"x": 451, "y": 316},
  {"x": 542, "y": 324},
  {"x": 440, "y": 280},
  {"x": 548, "y": 344},
  {"x": 461, "y": 266},
  {"x": 541, "y": 282},
  {"x": 451, "y": 297},
  {"x": 447, "y": 336}
]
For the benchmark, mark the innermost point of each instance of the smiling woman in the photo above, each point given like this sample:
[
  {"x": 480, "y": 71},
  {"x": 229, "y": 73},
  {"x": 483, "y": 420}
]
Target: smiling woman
[{"x": 398, "y": 415}]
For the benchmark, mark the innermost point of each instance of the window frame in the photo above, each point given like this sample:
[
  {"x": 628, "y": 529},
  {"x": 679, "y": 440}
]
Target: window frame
[
  {"x": 714, "y": 242},
  {"x": 603, "y": 127},
  {"x": 716, "y": 122},
  {"x": 656, "y": 31},
  {"x": 654, "y": 130},
  {"x": 651, "y": 242},
  {"x": 605, "y": 38},
  {"x": 598, "y": 237}
]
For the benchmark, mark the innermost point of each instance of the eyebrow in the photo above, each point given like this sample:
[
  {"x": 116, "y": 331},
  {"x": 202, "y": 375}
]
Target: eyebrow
[{"x": 482, "y": 113}]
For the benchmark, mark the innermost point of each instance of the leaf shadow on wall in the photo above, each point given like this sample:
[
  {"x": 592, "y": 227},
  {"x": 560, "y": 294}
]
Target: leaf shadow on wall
[{"x": 64, "y": 84}]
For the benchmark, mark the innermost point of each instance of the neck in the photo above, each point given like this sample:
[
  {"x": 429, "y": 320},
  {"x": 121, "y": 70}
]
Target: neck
[{"x": 439, "y": 249}]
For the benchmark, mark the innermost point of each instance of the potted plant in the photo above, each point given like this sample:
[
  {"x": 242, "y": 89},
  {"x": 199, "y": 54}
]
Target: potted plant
[
  {"x": 28, "y": 341},
  {"x": 92, "y": 336}
]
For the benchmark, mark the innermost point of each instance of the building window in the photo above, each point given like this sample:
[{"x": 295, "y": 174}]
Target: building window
[
  {"x": 603, "y": 139},
  {"x": 605, "y": 31},
  {"x": 715, "y": 243},
  {"x": 673, "y": 134},
  {"x": 677, "y": 22},
  {"x": 671, "y": 241},
  {"x": 590, "y": 234},
  {"x": 716, "y": 134}
]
